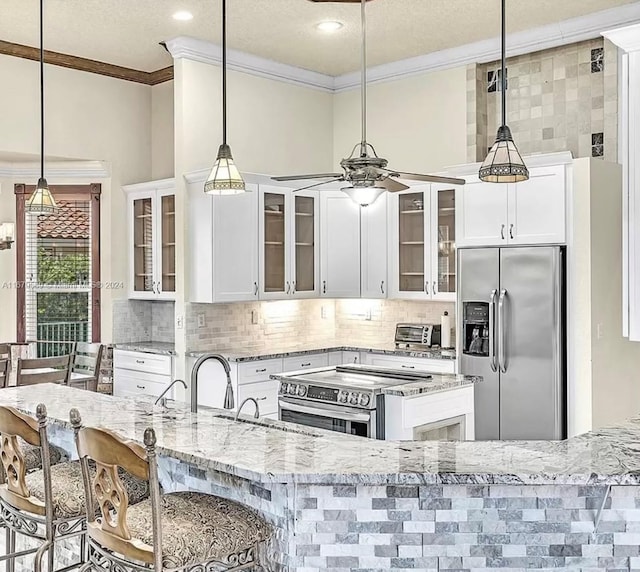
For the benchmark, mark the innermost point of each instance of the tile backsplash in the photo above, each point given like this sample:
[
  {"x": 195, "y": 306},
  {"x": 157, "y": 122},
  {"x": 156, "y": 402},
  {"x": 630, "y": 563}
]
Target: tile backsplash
[
  {"x": 301, "y": 324},
  {"x": 142, "y": 320},
  {"x": 559, "y": 99}
]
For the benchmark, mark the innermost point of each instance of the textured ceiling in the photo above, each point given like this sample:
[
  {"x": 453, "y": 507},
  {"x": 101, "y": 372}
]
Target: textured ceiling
[{"x": 127, "y": 32}]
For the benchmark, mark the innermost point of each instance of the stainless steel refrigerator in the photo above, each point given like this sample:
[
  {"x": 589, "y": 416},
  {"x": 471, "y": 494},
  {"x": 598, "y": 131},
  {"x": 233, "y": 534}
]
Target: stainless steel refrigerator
[{"x": 511, "y": 331}]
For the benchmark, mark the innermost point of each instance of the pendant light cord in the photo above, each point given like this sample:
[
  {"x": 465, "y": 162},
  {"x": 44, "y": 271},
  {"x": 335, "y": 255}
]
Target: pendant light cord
[
  {"x": 363, "y": 147},
  {"x": 504, "y": 64},
  {"x": 224, "y": 72},
  {"x": 42, "y": 89}
]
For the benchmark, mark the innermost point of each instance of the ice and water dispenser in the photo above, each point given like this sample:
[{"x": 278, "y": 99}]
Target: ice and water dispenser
[{"x": 475, "y": 328}]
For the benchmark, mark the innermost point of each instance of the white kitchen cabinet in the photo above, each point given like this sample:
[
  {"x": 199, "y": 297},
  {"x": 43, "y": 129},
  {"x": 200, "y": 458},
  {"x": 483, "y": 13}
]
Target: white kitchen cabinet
[
  {"x": 152, "y": 240},
  {"x": 307, "y": 361},
  {"x": 141, "y": 373},
  {"x": 422, "y": 243},
  {"x": 374, "y": 248},
  {"x": 223, "y": 240},
  {"x": 340, "y": 253},
  {"x": 531, "y": 212},
  {"x": 410, "y": 363},
  {"x": 288, "y": 245}
]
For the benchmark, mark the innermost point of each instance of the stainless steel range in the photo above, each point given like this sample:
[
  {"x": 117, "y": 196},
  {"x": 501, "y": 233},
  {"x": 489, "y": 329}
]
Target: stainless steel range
[{"x": 344, "y": 398}]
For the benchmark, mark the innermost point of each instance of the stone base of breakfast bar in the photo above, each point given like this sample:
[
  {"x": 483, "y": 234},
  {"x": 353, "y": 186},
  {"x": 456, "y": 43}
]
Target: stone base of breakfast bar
[{"x": 392, "y": 506}]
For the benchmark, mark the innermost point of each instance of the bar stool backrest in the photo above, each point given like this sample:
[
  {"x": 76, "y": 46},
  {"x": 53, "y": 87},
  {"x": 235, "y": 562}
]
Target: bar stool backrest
[
  {"x": 14, "y": 489},
  {"x": 4, "y": 373},
  {"x": 5, "y": 351},
  {"x": 56, "y": 370},
  {"x": 110, "y": 452}
]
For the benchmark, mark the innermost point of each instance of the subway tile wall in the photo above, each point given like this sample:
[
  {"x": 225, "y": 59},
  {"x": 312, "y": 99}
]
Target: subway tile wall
[
  {"x": 560, "y": 99},
  {"x": 142, "y": 320},
  {"x": 298, "y": 324}
]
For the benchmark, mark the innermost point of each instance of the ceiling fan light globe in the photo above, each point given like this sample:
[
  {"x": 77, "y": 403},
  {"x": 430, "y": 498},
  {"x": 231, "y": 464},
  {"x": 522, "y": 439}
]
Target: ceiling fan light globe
[
  {"x": 225, "y": 178},
  {"x": 363, "y": 196},
  {"x": 41, "y": 201},
  {"x": 503, "y": 163}
]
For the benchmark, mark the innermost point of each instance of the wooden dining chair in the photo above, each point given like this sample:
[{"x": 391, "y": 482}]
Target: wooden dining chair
[
  {"x": 43, "y": 370},
  {"x": 85, "y": 366}
]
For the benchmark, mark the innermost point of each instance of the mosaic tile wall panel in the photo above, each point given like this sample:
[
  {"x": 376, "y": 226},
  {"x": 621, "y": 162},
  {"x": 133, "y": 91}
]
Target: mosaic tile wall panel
[{"x": 561, "y": 99}]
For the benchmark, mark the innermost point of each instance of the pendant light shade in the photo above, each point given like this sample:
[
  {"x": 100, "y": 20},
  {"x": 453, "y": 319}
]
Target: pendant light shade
[
  {"x": 41, "y": 201},
  {"x": 503, "y": 163},
  {"x": 363, "y": 196},
  {"x": 225, "y": 178}
]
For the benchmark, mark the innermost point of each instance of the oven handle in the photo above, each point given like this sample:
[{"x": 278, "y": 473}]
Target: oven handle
[{"x": 336, "y": 413}]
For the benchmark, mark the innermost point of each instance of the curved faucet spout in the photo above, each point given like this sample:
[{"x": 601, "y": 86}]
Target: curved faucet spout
[
  {"x": 229, "y": 401},
  {"x": 161, "y": 398},
  {"x": 256, "y": 414}
]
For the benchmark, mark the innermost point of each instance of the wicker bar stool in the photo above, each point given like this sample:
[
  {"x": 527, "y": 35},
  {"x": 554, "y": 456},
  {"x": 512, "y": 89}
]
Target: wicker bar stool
[{"x": 175, "y": 532}]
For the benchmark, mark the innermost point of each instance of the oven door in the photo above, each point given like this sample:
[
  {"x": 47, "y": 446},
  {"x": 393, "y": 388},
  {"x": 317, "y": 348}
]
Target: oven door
[{"x": 325, "y": 416}]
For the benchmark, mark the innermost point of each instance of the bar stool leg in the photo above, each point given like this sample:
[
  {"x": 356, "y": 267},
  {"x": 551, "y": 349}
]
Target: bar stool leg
[
  {"x": 11, "y": 548},
  {"x": 37, "y": 561},
  {"x": 52, "y": 553}
]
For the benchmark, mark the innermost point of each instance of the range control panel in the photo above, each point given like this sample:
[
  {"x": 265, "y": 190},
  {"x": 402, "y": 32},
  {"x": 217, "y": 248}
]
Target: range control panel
[{"x": 344, "y": 397}]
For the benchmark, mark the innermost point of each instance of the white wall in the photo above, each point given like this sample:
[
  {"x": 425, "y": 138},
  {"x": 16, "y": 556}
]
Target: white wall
[
  {"x": 88, "y": 117},
  {"x": 162, "y": 131},
  {"x": 418, "y": 123}
]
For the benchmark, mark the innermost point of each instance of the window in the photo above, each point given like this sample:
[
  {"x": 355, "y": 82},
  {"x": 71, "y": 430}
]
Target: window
[{"x": 59, "y": 270}]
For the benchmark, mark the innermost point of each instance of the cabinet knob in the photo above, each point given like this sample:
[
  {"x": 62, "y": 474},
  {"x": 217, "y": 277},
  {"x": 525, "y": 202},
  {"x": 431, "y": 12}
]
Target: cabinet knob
[
  {"x": 511, "y": 231},
  {"x": 502, "y": 232}
]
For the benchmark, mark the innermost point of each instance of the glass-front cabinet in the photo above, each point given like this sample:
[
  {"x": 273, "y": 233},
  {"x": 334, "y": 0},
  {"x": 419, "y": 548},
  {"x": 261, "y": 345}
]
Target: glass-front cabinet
[
  {"x": 423, "y": 260},
  {"x": 288, "y": 243},
  {"x": 151, "y": 211}
]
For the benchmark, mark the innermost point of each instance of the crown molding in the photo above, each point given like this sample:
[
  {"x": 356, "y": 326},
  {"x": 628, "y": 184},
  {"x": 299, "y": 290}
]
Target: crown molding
[
  {"x": 160, "y": 184},
  {"x": 56, "y": 170},
  {"x": 206, "y": 52},
  {"x": 541, "y": 38},
  {"x": 626, "y": 38},
  {"x": 537, "y": 160}
]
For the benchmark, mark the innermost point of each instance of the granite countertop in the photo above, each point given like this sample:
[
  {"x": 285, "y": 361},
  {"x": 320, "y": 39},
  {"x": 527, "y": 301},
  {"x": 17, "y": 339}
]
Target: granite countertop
[
  {"x": 162, "y": 348},
  {"x": 261, "y": 451},
  {"x": 236, "y": 356}
]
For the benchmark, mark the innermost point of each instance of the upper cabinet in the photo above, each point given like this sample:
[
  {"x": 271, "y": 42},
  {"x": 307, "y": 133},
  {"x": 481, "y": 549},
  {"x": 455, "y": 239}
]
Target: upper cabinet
[
  {"x": 422, "y": 243},
  {"x": 152, "y": 239},
  {"x": 374, "y": 245},
  {"x": 531, "y": 212},
  {"x": 288, "y": 243}
]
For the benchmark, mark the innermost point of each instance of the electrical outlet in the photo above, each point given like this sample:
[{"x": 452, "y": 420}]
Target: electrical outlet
[
  {"x": 323, "y": 312},
  {"x": 254, "y": 317},
  {"x": 201, "y": 322},
  {"x": 180, "y": 322}
]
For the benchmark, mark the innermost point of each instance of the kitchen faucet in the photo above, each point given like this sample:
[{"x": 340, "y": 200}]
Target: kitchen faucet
[
  {"x": 162, "y": 399},
  {"x": 228, "y": 396},
  {"x": 255, "y": 402}
]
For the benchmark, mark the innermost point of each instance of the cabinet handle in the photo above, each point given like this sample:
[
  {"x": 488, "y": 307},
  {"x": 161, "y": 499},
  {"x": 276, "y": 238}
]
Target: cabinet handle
[
  {"x": 255, "y": 288},
  {"x": 324, "y": 286},
  {"x": 409, "y": 366},
  {"x": 305, "y": 364},
  {"x": 261, "y": 370},
  {"x": 293, "y": 287},
  {"x": 382, "y": 287},
  {"x": 502, "y": 232},
  {"x": 511, "y": 231},
  {"x": 426, "y": 288},
  {"x": 288, "y": 288},
  {"x": 140, "y": 386},
  {"x": 433, "y": 288},
  {"x": 263, "y": 398},
  {"x": 140, "y": 361}
]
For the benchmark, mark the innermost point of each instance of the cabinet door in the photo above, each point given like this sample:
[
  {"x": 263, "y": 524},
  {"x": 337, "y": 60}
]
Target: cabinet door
[
  {"x": 142, "y": 236},
  {"x": 274, "y": 243},
  {"x": 443, "y": 243},
  {"x": 165, "y": 244},
  {"x": 482, "y": 213},
  {"x": 340, "y": 252},
  {"x": 235, "y": 246},
  {"x": 374, "y": 237},
  {"x": 413, "y": 272},
  {"x": 537, "y": 208},
  {"x": 304, "y": 258}
]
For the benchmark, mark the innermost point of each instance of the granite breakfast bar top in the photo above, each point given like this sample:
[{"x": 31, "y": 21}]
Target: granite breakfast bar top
[{"x": 273, "y": 452}]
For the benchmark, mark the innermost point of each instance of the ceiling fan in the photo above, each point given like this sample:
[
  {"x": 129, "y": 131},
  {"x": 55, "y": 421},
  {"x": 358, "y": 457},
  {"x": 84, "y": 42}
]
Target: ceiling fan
[{"x": 366, "y": 173}]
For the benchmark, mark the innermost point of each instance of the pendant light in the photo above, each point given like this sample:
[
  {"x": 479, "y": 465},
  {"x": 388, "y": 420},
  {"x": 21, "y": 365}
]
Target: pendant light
[
  {"x": 224, "y": 179},
  {"x": 41, "y": 201},
  {"x": 503, "y": 163}
]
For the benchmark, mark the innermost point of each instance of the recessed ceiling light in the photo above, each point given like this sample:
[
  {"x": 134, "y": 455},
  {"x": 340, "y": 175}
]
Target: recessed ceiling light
[
  {"x": 183, "y": 16},
  {"x": 329, "y": 26}
]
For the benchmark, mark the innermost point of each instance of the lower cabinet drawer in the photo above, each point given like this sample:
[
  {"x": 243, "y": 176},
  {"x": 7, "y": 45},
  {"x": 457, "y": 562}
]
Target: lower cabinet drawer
[
  {"x": 144, "y": 362},
  {"x": 306, "y": 362},
  {"x": 253, "y": 371},
  {"x": 128, "y": 383},
  {"x": 266, "y": 392},
  {"x": 414, "y": 364}
]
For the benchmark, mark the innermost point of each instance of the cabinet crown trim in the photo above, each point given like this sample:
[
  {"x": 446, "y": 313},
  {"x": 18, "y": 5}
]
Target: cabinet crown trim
[
  {"x": 532, "y": 161},
  {"x": 150, "y": 185}
]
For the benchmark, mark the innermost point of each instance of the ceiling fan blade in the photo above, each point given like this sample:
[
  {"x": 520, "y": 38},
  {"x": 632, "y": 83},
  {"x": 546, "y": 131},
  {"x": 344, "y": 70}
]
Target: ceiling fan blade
[
  {"x": 427, "y": 178},
  {"x": 340, "y": 178},
  {"x": 392, "y": 185},
  {"x": 305, "y": 177}
]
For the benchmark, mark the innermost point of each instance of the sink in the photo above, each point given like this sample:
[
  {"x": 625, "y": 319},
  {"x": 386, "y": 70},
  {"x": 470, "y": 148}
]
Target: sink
[{"x": 264, "y": 425}]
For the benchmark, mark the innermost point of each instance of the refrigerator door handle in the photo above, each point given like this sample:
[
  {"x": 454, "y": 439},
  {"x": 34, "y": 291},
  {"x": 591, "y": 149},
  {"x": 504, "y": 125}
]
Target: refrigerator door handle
[
  {"x": 492, "y": 330},
  {"x": 502, "y": 348}
]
